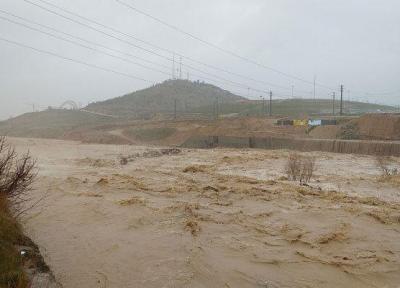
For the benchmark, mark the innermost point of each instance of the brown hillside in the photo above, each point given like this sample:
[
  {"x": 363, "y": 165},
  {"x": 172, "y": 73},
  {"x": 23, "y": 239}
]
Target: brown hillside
[{"x": 161, "y": 98}]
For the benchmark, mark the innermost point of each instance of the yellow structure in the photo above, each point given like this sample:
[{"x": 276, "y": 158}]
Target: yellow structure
[{"x": 300, "y": 122}]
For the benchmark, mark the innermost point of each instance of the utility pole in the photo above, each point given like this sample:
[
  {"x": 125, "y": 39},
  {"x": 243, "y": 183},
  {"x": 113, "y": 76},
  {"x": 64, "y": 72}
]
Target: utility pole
[
  {"x": 348, "y": 101},
  {"x": 314, "y": 86},
  {"x": 180, "y": 67},
  {"x": 341, "y": 100},
  {"x": 270, "y": 103},
  {"x": 175, "y": 112},
  {"x": 32, "y": 105},
  {"x": 263, "y": 105},
  {"x": 334, "y": 99},
  {"x": 292, "y": 91},
  {"x": 173, "y": 67},
  {"x": 217, "y": 107}
]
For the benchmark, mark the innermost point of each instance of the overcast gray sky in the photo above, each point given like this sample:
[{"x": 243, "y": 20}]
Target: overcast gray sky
[{"x": 350, "y": 42}]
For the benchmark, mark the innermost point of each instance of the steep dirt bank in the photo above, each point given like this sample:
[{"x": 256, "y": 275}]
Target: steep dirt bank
[{"x": 367, "y": 127}]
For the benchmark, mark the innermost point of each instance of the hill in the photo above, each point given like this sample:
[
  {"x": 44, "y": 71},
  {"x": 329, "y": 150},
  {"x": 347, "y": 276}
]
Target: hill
[
  {"x": 295, "y": 108},
  {"x": 163, "y": 97},
  {"x": 120, "y": 120},
  {"x": 50, "y": 123}
]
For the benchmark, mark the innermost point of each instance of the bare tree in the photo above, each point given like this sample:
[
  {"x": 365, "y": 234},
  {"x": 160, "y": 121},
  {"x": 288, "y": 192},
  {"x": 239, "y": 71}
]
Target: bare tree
[
  {"x": 384, "y": 163},
  {"x": 16, "y": 175},
  {"x": 300, "y": 168},
  {"x": 293, "y": 166},
  {"x": 307, "y": 169}
]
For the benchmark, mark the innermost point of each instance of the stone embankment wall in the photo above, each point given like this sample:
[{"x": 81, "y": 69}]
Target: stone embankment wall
[{"x": 327, "y": 145}]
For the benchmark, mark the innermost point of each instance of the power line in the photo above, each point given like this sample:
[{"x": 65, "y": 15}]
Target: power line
[
  {"x": 82, "y": 39},
  {"x": 74, "y": 60},
  {"x": 314, "y": 83},
  {"x": 226, "y": 51},
  {"x": 140, "y": 40},
  {"x": 145, "y": 49},
  {"x": 81, "y": 45},
  {"x": 99, "y": 51},
  {"x": 149, "y": 51}
]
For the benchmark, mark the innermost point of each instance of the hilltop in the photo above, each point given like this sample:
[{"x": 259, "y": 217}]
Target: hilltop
[{"x": 161, "y": 98}]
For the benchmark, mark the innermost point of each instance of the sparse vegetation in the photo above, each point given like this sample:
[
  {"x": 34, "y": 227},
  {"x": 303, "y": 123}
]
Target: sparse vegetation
[
  {"x": 385, "y": 165},
  {"x": 300, "y": 168},
  {"x": 11, "y": 263},
  {"x": 16, "y": 177},
  {"x": 350, "y": 131}
]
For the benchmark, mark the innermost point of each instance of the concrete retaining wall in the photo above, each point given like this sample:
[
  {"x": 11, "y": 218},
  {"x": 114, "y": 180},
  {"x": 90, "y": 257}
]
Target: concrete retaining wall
[{"x": 336, "y": 146}]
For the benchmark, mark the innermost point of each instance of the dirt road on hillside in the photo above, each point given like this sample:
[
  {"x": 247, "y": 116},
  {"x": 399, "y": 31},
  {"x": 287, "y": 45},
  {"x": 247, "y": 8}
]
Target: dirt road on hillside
[{"x": 211, "y": 218}]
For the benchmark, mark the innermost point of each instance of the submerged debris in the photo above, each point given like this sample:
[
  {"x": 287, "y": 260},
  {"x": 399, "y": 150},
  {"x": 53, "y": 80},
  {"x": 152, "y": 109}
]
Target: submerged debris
[{"x": 124, "y": 160}]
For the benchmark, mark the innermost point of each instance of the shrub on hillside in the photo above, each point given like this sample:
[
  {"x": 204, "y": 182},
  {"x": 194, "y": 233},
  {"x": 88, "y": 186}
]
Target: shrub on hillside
[{"x": 349, "y": 131}]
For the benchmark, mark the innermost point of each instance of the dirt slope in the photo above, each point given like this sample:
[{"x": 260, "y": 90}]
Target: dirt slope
[
  {"x": 367, "y": 127},
  {"x": 379, "y": 126}
]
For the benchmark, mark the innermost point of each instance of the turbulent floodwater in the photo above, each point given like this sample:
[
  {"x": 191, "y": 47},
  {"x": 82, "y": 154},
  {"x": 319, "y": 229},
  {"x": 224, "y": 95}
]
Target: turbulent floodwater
[{"x": 211, "y": 218}]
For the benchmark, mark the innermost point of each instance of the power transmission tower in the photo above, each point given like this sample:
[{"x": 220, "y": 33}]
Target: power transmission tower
[
  {"x": 341, "y": 100},
  {"x": 333, "y": 103},
  {"x": 270, "y": 103}
]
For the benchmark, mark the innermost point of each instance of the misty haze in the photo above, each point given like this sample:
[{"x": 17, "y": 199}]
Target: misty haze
[{"x": 199, "y": 143}]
